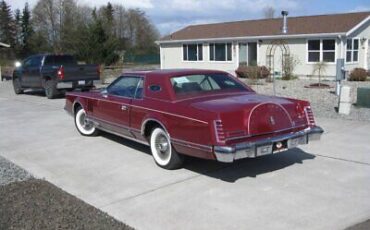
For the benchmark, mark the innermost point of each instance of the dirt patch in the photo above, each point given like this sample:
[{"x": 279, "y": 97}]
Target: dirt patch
[{"x": 37, "y": 204}]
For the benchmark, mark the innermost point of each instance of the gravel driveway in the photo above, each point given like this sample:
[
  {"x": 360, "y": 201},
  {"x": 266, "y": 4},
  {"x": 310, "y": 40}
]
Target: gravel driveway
[{"x": 323, "y": 101}]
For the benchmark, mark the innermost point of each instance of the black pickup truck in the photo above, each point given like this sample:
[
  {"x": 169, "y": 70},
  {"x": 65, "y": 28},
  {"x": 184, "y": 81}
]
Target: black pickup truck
[{"x": 54, "y": 73}]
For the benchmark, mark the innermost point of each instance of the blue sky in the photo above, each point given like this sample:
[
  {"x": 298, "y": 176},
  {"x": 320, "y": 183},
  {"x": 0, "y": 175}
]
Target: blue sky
[{"x": 171, "y": 15}]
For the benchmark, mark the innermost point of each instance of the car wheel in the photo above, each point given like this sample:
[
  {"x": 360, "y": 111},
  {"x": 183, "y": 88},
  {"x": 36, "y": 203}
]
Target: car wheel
[
  {"x": 17, "y": 86},
  {"x": 163, "y": 153},
  {"x": 84, "y": 126},
  {"x": 51, "y": 90}
]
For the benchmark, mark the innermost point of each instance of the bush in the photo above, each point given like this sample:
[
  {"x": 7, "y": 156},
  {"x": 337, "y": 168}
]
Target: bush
[
  {"x": 252, "y": 72},
  {"x": 358, "y": 74},
  {"x": 289, "y": 64}
]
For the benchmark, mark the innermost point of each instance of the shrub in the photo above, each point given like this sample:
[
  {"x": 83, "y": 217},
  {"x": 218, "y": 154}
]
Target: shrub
[
  {"x": 358, "y": 74},
  {"x": 289, "y": 65},
  {"x": 252, "y": 72}
]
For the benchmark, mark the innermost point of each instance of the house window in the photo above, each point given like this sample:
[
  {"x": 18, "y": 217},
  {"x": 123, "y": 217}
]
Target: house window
[
  {"x": 321, "y": 50},
  {"x": 192, "y": 52},
  {"x": 352, "y": 50},
  {"x": 314, "y": 51},
  {"x": 328, "y": 50},
  {"x": 220, "y": 52}
]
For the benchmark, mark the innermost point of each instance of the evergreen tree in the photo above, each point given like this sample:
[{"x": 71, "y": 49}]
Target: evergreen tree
[
  {"x": 27, "y": 30},
  {"x": 18, "y": 31},
  {"x": 7, "y": 24}
]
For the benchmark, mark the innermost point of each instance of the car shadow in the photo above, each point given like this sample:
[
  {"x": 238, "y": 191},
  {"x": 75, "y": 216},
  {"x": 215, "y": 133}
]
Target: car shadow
[
  {"x": 41, "y": 93},
  {"x": 250, "y": 167}
]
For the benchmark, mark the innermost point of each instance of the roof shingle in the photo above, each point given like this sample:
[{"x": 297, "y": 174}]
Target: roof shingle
[{"x": 334, "y": 23}]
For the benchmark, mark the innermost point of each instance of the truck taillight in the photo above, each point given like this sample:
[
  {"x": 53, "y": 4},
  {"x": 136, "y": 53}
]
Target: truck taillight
[
  {"x": 219, "y": 131},
  {"x": 309, "y": 116},
  {"x": 60, "y": 73}
]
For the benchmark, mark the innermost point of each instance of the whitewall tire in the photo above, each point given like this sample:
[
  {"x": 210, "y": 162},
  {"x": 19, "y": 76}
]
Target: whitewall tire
[
  {"x": 163, "y": 153},
  {"x": 84, "y": 126}
]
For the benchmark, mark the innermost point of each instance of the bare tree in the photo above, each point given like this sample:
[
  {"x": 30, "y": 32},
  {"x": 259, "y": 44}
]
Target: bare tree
[
  {"x": 46, "y": 16},
  {"x": 269, "y": 12}
]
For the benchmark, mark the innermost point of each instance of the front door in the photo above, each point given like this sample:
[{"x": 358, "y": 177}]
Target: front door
[
  {"x": 34, "y": 75},
  {"x": 243, "y": 54},
  {"x": 113, "y": 108}
]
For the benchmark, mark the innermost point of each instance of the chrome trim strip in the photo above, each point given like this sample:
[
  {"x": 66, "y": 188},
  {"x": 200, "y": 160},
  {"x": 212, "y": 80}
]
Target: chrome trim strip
[
  {"x": 94, "y": 119},
  {"x": 171, "y": 114},
  {"x": 193, "y": 145},
  {"x": 124, "y": 136}
]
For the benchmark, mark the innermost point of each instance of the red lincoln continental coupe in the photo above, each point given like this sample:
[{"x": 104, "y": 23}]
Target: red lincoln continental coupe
[{"x": 202, "y": 113}]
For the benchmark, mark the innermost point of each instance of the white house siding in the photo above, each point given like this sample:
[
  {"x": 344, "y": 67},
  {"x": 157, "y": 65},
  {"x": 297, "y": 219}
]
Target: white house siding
[
  {"x": 298, "y": 50},
  {"x": 363, "y": 33},
  {"x": 172, "y": 57}
]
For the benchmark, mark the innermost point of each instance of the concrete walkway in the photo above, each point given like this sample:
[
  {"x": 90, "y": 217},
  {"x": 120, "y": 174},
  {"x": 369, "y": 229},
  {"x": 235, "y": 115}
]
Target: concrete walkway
[{"x": 324, "y": 185}]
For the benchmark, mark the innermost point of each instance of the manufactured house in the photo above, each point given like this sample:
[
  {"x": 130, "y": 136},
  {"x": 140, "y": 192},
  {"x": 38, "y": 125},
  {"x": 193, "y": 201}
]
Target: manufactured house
[{"x": 268, "y": 42}]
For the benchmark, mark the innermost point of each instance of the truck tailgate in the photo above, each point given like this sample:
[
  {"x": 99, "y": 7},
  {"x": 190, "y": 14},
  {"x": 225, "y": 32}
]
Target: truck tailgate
[{"x": 81, "y": 72}]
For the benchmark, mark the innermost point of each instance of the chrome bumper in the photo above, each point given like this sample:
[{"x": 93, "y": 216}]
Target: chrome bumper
[{"x": 267, "y": 146}]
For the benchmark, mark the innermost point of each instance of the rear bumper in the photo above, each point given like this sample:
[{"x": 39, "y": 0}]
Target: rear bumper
[
  {"x": 75, "y": 84},
  {"x": 267, "y": 146}
]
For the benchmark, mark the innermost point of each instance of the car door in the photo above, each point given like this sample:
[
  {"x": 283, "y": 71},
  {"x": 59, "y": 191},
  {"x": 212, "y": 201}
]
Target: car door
[
  {"x": 25, "y": 72},
  {"x": 114, "y": 107},
  {"x": 34, "y": 71}
]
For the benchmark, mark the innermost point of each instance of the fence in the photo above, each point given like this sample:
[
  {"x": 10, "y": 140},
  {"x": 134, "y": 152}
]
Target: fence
[{"x": 142, "y": 59}]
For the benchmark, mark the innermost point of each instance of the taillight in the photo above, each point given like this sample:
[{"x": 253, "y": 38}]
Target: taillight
[
  {"x": 300, "y": 111},
  {"x": 60, "y": 73},
  {"x": 219, "y": 131},
  {"x": 309, "y": 116}
]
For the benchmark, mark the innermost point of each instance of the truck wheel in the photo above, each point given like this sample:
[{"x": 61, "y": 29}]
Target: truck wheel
[
  {"x": 51, "y": 90},
  {"x": 17, "y": 86},
  {"x": 163, "y": 153},
  {"x": 84, "y": 126}
]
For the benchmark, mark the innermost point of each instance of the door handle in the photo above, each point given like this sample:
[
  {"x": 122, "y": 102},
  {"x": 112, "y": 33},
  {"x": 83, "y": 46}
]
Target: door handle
[{"x": 124, "y": 107}]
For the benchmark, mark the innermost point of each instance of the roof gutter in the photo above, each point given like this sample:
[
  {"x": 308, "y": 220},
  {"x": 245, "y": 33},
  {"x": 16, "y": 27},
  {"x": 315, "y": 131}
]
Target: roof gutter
[
  {"x": 252, "y": 38},
  {"x": 358, "y": 26}
]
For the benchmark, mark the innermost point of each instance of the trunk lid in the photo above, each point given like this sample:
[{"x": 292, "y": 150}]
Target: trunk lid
[{"x": 246, "y": 115}]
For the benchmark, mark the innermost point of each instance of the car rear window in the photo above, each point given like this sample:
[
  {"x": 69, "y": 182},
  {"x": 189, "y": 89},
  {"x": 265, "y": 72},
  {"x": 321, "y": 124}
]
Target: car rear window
[{"x": 204, "y": 83}]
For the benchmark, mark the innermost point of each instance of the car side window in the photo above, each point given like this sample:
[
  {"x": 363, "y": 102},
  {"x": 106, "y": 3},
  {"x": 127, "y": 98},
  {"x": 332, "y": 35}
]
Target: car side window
[
  {"x": 36, "y": 61},
  {"x": 27, "y": 62},
  {"x": 126, "y": 87}
]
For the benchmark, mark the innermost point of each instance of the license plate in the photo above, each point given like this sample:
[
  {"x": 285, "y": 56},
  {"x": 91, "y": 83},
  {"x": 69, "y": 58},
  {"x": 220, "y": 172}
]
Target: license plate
[
  {"x": 280, "y": 146},
  {"x": 81, "y": 82}
]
